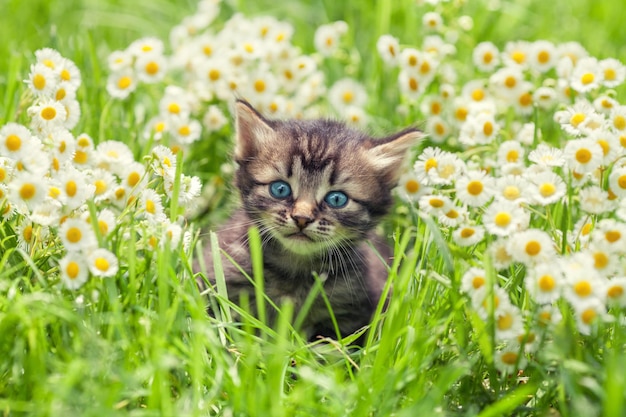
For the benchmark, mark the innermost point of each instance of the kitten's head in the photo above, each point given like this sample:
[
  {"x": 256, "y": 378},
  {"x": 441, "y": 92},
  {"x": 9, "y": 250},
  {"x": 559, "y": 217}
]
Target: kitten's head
[{"x": 315, "y": 184}]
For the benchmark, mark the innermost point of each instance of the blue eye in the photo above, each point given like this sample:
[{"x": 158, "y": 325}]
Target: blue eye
[
  {"x": 336, "y": 199},
  {"x": 280, "y": 189}
]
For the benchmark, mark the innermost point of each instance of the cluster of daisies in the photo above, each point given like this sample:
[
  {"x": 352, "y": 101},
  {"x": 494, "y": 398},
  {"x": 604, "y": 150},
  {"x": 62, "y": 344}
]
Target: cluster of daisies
[
  {"x": 65, "y": 196},
  {"x": 212, "y": 64},
  {"x": 554, "y": 206}
]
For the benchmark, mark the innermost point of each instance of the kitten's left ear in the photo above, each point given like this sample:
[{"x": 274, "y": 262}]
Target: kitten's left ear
[
  {"x": 252, "y": 131},
  {"x": 387, "y": 155}
]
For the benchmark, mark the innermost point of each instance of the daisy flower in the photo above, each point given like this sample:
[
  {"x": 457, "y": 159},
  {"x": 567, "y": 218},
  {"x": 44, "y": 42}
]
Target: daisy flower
[
  {"x": 327, "y": 37},
  {"x": 164, "y": 160},
  {"x": 579, "y": 119},
  {"x": 509, "y": 323},
  {"x": 516, "y": 53},
  {"x": 542, "y": 56},
  {"x": 617, "y": 119},
  {"x": 587, "y": 75},
  {"x": 27, "y": 190},
  {"x": 151, "y": 68},
  {"x": 545, "y": 97},
  {"x": 523, "y": 102},
  {"x": 69, "y": 73},
  {"x": 506, "y": 83},
  {"x": 175, "y": 103},
  {"x": 151, "y": 206},
  {"x": 475, "y": 91},
  {"x": 473, "y": 280},
  {"x": 532, "y": 247},
  {"x": 468, "y": 235},
  {"x": 548, "y": 315},
  {"x": 510, "y": 151},
  {"x": 582, "y": 281},
  {"x": 474, "y": 188},
  {"x": 74, "y": 270},
  {"x": 410, "y": 189},
  {"x": 410, "y": 60},
  {"x": 610, "y": 232},
  {"x": 74, "y": 186},
  {"x": 13, "y": 139},
  {"x": 354, "y": 116},
  {"x": 438, "y": 129},
  {"x": 388, "y": 48},
  {"x": 42, "y": 80},
  {"x": 513, "y": 188},
  {"x": 106, "y": 221},
  {"x": 544, "y": 283},
  {"x": 119, "y": 60},
  {"x": 434, "y": 204},
  {"x": 185, "y": 131},
  {"x": 104, "y": 182},
  {"x": 261, "y": 87},
  {"x": 604, "y": 104},
  {"x": 214, "y": 119},
  {"x": 486, "y": 56},
  {"x": 77, "y": 235},
  {"x": 432, "y": 21},
  {"x": 49, "y": 57},
  {"x": 616, "y": 291},
  {"x": 112, "y": 155},
  {"x": 190, "y": 188},
  {"x": 146, "y": 46},
  {"x": 509, "y": 359},
  {"x": 347, "y": 92},
  {"x": 548, "y": 188},
  {"x": 133, "y": 177},
  {"x": 614, "y": 72},
  {"x": 547, "y": 155},
  {"x": 587, "y": 314},
  {"x": 595, "y": 200},
  {"x": 102, "y": 263},
  {"x": 583, "y": 155},
  {"x": 503, "y": 218},
  {"x": 47, "y": 115},
  {"x": 453, "y": 216},
  {"x": 479, "y": 129},
  {"x": 485, "y": 301},
  {"x": 448, "y": 169},
  {"x": 121, "y": 83},
  {"x": 605, "y": 260},
  {"x": 411, "y": 85}
]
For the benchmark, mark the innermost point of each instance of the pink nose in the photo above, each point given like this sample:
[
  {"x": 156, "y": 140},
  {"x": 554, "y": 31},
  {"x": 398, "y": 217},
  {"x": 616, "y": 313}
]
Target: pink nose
[{"x": 302, "y": 221}]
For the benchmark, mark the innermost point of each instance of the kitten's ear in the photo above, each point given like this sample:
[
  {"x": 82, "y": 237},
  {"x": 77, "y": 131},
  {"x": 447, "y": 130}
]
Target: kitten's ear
[
  {"x": 387, "y": 155},
  {"x": 252, "y": 130}
]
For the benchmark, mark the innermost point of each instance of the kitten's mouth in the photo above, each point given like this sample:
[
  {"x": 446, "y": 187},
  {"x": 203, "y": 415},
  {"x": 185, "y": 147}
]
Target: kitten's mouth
[{"x": 299, "y": 236}]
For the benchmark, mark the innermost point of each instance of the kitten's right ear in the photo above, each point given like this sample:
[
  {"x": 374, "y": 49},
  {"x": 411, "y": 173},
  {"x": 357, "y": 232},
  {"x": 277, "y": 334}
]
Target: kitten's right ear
[{"x": 252, "y": 131}]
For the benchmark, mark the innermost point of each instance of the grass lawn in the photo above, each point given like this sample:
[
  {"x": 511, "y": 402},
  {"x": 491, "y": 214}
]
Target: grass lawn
[{"x": 509, "y": 276}]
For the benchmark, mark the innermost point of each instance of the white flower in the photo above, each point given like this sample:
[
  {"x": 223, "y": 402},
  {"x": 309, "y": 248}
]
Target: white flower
[
  {"x": 347, "y": 92},
  {"x": 74, "y": 271},
  {"x": 544, "y": 283},
  {"x": 389, "y": 49},
  {"x": 102, "y": 263},
  {"x": 77, "y": 235},
  {"x": 486, "y": 56}
]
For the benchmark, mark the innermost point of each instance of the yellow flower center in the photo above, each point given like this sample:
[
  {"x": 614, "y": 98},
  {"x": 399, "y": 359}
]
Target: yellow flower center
[
  {"x": 429, "y": 164},
  {"x": 214, "y": 74},
  {"x": 478, "y": 94},
  {"x": 71, "y": 188},
  {"x": 510, "y": 81},
  {"x": 80, "y": 157},
  {"x": 615, "y": 291},
  {"x": 28, "y": 191},
  {"x": 525, "y": 99},
  {"x": 413, "y": 84},
  {"x": 436, "y": 202},
  {"x": 39, "y": 82},
  {"x": 101, "y": 186},
  {"x": 104, "y": 227},
  {"x": 546, "y": 283},
  {"x": 150, "y": 207},
  {"x": 533, "y": 248},
  {"x": 509, "y": 358},
  {"x": 576, "y": 119},
  {"x": 600, "y": 260},
  {"x": 488, "y": 128},
  {"x": 619, "y": 122},
  {"x": 475, "y": 188},
  {"x": 610, "y": 74},
  {"x": 583, "y": 155},
  {"x": 582, "y": 288},
  {"x": 612, "y": 236},
  {"x": 102, "y": 264},
  {"x": 425, "y": 67},
  {"x": 184, "y": 130},
  {"x": 412, "y": 186},
  {"x": 48, "y": 113},
  {"x": 502, "y": 219},
  {"x": 519, "y": 57},
  {"x": 412, "y": 60},
  {"x": 440, "y": 129},
  {"x": 505, "y": 322},
  {"x": 152, "y": 68},
  {"x": 512, "y": 156},
  {"x": 487, "y": 57},
  {"x": 74, "y": 235},
  {"x": 27, "y": 233},
  {"x": 467, "y": 232},
  {"x": 588, "y": 316},
  {"x": 13, "y": 143},
  {"x": 452, "y": 214},
  {"x": 547, "y": 189},
  {"x": 461, "y": 114},
  {"x": 173, "y": 108},
  {"x": 133, "y": 178},
  {"x": 72, "y": 269},
  {"x": 65, "y": 75},
  {"x": 587, "y": 78},
  {"x": 259, "y": 86},
  {"x": 124, "y": 82},
  {"x": 543, "y": 57}
]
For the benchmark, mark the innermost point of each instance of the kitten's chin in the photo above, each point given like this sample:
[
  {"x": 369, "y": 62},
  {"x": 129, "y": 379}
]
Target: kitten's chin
[{"x": 301, "y": 244}]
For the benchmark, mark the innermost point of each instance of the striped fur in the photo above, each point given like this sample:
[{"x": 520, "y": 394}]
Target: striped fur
[{"x": 302, "y": 234}]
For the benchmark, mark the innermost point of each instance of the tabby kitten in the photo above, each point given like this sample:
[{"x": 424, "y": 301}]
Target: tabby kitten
[{"x": 315, "y": 189}]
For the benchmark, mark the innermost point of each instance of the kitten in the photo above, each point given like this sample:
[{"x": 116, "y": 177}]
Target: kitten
[{"x": 315, "y": 189}]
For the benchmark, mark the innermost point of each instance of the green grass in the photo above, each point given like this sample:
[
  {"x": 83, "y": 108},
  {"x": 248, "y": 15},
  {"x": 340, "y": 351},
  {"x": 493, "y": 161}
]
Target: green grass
[{"x": 141, "y": 343}]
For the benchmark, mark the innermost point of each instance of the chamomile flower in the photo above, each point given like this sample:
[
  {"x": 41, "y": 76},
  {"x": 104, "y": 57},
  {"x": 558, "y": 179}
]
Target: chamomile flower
[
  {"x": 42, "y": 80},
  {"x": 513, "y": 188},
  {"x": 112, "y": 155},
  {"x": 77, "y": 235},
  {"x": 474, "y": 188},
  {"x": 545, "y": 97},
  {"x": 106, "y": 221},
  {"x": 27, "y": 190},
  {"x": 617, "y": 119},
  {"x": 355, "y": 116},
  {"x": 604, "y": 104},
  {"x": 30, "y": 234},
  {"x": 151, "y": 206},
  {"x": 587, "y": 314},
  {"x": 347, "y": 92},
  {"x": 544, "y": 283},
  {"x": 616, "y": 291},
  {"x": 69, "y": 73},
  {"x": 516, "y": 53},
  {"x": 506, "y": 83},
  {"x": 503, "y": 218},
  {"x": 479, "y": 129},
  {"x": 434, "y": 204},
  {"x": 605, "y": 259},
  {"x": 453, "y": 216},
  {"x": 146, "y": 46},
  {"x": 411, "y": 85},
  {"x": 594, "y": 200},
  {"x": 74, "y": 187},
  {"x": 47, "y": 115},
  {"x": 133, "y": 177},
  {"x": 583, "y": 155},
  {"x": 579, "y": 119},
  {"x": 468, "y": 235},
  {"x": 473, "y": 280},
  {"x": 486, "y": 300},
  {"x": 410, "y": 189},
  {"x": 328, "y": 37},
  {"x": 542, "y": 56},
  {"x": 175, "y": 103},
  {"x": 74, "y": 270},
  {"x": 119, "y": 60},
  {"x": 486, "y": 56},
  {"x": 587, "y": 75},
  {"x": 102, "y": 263},
  {"x": 120, "y": 84},
  {"x": 547, "y": 155},
  {"x": 532, "y": 247},
  {"x": 185, "y": 130},
  {"x": 51, "y": 58},
  {"x": 547, "y": 188},
  {"x": 190, "y": 188},
  {"x": 14, "y": 139},
  {"x": 510, "y": 359},
  {"x": 510, "y": 152},
  {"x": 214, "y": 119},
  {"x": 151, "y": 68},
  {"x": 83, "y": 155},
  {"x": 582, "y": 281},
  {"x": 614, "y": 72},
  {"x": 164, "y": 160},
  {"x": 611, "y": 233},
  {"x": 389, "y": 49},
  {"x": 509, "y": 322},
  {"x": 104, "y": 182},
  {"x": 261, "y": 87},
  {"x": 438, "y": 129}
]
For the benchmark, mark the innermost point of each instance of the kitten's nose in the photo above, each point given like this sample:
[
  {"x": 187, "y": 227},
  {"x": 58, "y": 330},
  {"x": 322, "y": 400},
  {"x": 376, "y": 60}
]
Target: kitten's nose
[{"x": 302, "y": 221}]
